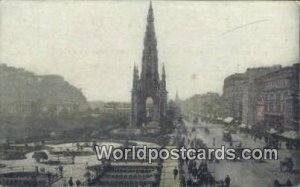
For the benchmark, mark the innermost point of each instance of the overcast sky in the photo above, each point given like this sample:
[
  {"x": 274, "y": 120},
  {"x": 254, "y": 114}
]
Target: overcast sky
[{"x": 94, "y": 44}]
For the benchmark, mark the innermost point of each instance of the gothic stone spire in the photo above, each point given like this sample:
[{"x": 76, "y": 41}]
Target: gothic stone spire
[
  {"x": 149, "y": 74},
  {"x": 148, "y": 85},
  {"x": 135, "y": 77}
]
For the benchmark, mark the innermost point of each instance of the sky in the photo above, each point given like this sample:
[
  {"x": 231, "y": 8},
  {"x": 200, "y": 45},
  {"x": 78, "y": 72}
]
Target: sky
[{"x": 94, "y": 44}]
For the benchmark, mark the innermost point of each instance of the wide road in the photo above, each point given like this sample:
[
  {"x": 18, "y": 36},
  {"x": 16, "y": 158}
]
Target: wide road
[{"x": 246, "y": 173}]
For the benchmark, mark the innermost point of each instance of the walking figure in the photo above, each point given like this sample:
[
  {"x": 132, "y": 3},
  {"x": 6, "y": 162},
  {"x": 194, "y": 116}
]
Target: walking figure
[
  {"x": 61, "y": 169},
  {"x": 276, "y": 183},
  {"x": 289, "y": 183},
  {"x": 227, "y": 181},
  {"x": 78, "y": 182},
  {"x": 70, "y": 181},
  {"x": 175, "y": 172}
]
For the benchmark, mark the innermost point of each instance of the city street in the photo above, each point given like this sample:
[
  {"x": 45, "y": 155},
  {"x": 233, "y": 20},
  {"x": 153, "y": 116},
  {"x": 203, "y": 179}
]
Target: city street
[
  {"x": 244, "y": 172},
  {"x": 167, "y": 177}
]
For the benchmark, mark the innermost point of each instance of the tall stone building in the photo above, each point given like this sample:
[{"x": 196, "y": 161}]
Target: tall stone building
[
  {"x": 149, "y": 94},
  {"x": 240, "y": 93},
  {"x": 279, "y": 92},
  {"x": 264, "y": 95},
  {"x": 250, "y": 92},
  {"x": 233, "y": 95}
]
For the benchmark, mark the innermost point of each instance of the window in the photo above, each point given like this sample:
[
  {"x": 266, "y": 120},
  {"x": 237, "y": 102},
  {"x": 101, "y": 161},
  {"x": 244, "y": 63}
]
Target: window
[
  {"x": 266, "y": 108},
  {"x": 278, "y": 108},
  {"x": 271, "y": 109},
  {"x": 278, "y": 96},
  {"x": 270, "y": 97}
]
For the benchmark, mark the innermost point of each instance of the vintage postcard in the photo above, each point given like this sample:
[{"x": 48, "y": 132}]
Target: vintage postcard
[{"x": 148, "y": 93}]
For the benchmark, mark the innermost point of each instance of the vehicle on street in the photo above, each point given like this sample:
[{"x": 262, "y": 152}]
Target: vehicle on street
[
  {"x": 193, "y": 129},
  {"x": 227, "y": 136},
  {"x": 287, "y": 164}
]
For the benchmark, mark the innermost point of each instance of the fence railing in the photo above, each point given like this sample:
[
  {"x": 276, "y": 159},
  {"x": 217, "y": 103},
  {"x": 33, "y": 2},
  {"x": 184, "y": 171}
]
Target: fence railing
[{"x": 24, "y": 169}]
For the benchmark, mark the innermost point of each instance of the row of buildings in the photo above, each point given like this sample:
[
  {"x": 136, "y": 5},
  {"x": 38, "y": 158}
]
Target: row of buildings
[
  {"x": 207, "y": 105},
  {"x": 264, "y": 95},
  {"x": 24, "y": 93}
]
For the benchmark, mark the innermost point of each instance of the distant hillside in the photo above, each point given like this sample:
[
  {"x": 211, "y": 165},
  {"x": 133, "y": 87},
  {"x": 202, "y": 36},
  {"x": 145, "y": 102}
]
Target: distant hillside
[{"x": 23, "y": 92}]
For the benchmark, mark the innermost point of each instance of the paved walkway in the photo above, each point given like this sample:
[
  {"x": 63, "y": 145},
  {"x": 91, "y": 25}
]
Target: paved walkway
[
  {"x": 60, "y": 183},
  {"x": 167, "y": 178}
]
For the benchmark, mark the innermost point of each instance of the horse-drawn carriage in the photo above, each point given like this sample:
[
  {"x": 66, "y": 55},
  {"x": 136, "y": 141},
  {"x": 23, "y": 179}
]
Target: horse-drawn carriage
[
  {"x": 287, "y": 164},
  {"x": 238, "y": 149},
  {"x": 272, "y": 144},
  {"x": 227, "y": 136},
  {"x": 206, "y": 130}
]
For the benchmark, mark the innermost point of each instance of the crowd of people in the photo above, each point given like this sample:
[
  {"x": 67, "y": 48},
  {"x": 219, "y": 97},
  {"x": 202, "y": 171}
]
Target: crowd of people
[
  {"x": 287, "y": 184},
  {"x": 72, "y": 183},
  {"x": 194, "y": 173}
]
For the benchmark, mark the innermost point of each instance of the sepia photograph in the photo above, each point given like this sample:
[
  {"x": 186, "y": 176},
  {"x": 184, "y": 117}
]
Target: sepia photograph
[{"x": 149, "y": 93}]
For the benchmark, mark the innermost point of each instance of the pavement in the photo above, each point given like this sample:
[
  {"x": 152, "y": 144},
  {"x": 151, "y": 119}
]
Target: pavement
[
  {"x": 167, "y": 178},
  {"x": 246, "y": 173}
]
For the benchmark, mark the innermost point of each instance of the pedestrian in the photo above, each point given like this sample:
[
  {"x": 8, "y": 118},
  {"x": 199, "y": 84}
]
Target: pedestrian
[
  {"x": 70, "y": 181},
  {"x": 276, "y": 183},
  {"x": 183, "y": 181},
  {"x": 61, "y": 170},
  {"x": 189, "y": 182},
  {"x": 227, "y": 181},
  {"x": 289, "y": 183},
  {"x": 49, "y": 177},
  {"x": 210, "y": 180},
  {"x": 175, "y": 172},
  {"x": 78, "y": 182}
]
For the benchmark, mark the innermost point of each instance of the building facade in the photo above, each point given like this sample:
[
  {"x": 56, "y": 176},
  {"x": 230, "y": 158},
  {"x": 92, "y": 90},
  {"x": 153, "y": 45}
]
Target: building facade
[
  {"x": 250, "y": 92},
  {"x": 279, "y": 94},
  {"x": 149, "y": 94},
  {"x": 233, "y": 95},
  {"x": 240, "y": 93}
]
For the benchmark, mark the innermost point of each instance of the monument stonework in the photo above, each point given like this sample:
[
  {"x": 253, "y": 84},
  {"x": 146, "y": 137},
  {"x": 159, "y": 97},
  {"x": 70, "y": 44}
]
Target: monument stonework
[{"x": 149, "y": 94}]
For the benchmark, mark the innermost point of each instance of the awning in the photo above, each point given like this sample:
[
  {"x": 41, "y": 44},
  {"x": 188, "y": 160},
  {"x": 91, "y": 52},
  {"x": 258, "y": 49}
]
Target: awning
[
  {"x": 290, "y": 135},
  {"x": 228, "y": 119},
  {"x": 242, "y": 125}
]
